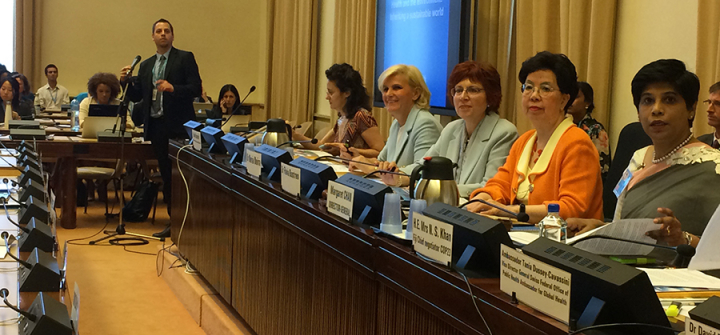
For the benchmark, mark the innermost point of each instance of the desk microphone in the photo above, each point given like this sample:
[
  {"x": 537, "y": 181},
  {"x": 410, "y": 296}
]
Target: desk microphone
[
  {"x": 7, "y": 214},
  {"x": 340, "y": 159},
  {"x": 5, "y": 235},
  {"x": 4, "y": 293},
  {"x": 313, "y": 141},
  {"x": 521, "y": 216},
  {"x": 684, "y": 251},
  {"x": 252, "y": 89}
]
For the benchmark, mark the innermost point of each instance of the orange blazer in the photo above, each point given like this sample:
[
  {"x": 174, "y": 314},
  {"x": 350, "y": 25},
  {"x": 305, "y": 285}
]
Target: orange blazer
[{"x": 571, "y": 179}]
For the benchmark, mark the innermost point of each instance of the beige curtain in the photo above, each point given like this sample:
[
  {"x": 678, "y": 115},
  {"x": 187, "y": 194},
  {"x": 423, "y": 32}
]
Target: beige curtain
[
  {"x": 293, "y": 35},
  {"x": 584, "y": 30},
  {"x": 354, "y": 43},
  {"x": 28, "y": 21},
  {"x": 494, "y": 43},
  {"x": 707, "y": 60}
]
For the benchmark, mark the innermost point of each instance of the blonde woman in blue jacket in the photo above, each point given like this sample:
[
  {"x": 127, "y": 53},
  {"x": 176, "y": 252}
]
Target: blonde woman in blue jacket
[
  {"x": 414, "y": 130},
  {"x": 478, "y": 142}
]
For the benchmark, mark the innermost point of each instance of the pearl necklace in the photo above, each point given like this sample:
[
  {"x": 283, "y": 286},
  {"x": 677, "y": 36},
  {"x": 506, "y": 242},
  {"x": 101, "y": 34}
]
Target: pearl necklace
[{"x": 655, "y": 161}]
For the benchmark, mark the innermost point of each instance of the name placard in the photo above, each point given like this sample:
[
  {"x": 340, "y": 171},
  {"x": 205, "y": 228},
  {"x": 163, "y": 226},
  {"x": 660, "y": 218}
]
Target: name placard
[
  {"x": 432, "y": 238},
  {"x": 340, "y": 199},
  {"x": 290, "y": 179},
  {"x": 197, "y": 140},
  {"x": 253, "y": 163},
  {"x": 699, "y": 328},
  {"x": 537, "y": 284}
]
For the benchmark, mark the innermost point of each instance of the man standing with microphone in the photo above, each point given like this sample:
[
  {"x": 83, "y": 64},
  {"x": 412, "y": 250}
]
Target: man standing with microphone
[{"x": 167, "y": 83}]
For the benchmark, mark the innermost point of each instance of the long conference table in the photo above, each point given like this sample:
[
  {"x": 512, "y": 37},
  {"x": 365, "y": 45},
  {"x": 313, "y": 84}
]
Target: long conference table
[{"x": 287, "y": 266}]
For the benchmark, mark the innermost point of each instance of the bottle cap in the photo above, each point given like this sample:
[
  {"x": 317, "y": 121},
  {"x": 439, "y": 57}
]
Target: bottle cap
[{"x": 553, "y": 208}]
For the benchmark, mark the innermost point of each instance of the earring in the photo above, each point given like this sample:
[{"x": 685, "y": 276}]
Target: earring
[{"x": 586, "y": 107}]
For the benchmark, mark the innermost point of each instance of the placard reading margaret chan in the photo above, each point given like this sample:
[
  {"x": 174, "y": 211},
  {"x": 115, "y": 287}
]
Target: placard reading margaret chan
[{"x": 340, "y": 199}]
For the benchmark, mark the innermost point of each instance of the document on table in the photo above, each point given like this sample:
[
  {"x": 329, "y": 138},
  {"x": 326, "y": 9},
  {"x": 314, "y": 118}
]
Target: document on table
[
  {"x": 682, "y": 278},
  {"x": 707, "y": 255},
  {"x": 629, "y": 229}
]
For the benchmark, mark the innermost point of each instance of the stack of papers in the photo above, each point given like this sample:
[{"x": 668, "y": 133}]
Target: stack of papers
[{"x": 682, "y": 278}]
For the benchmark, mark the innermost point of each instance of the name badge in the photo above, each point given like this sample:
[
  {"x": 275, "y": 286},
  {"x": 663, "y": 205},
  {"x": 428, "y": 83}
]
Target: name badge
[
  {"x": 253, "y": 163},
  {"x": 154, "y": 94},
  {"x": 290, "y": 179},
  {"x": 623, "y": 183}
]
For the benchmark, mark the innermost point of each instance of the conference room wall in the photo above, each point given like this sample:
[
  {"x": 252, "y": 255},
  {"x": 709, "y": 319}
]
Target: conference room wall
[
  {"x": 228, "y": 38},
  {"x": 649, "y": 30}
]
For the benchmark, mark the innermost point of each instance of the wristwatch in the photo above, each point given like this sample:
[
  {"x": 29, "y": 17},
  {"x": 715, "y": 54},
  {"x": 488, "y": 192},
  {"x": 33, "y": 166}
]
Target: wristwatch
[{"x": 688, "y": 237}]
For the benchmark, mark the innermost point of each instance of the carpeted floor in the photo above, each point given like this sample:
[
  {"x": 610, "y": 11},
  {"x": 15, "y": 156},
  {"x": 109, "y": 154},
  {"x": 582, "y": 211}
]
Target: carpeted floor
[{"x": 120, "y": 292}]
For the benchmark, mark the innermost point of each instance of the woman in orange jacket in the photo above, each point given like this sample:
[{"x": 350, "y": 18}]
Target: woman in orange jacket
[{"x": 554, "y": 163}]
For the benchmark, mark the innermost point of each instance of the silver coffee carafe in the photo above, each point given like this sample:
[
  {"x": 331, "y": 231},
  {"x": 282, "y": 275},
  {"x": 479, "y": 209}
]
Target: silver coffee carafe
[
  {"x": 437, "y": 183},
  {"x": 277, "y": 132}
]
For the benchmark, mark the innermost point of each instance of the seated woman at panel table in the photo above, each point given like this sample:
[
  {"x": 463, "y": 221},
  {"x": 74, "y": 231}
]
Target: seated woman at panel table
[
  {"x": 581, "y": 111},
  {"x": 228, "y": 101},
  {"x": 479, "y": 142},
  {"x": 356, "y": 129},
  {"x": 677, "y": 178},
  {"x": 103, "y": 89},
  {"x": 9, "y": 92},
  {"x": 554, "y": 163},
  {"x": 27, "y": 97},
  {"x": 414, "y": 130}
]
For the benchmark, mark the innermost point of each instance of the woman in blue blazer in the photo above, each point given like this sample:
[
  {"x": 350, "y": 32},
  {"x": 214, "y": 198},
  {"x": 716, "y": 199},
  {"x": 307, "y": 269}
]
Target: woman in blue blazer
[
  {"x": 414, "y": 130},
  {"x": 480, "y": 140}
]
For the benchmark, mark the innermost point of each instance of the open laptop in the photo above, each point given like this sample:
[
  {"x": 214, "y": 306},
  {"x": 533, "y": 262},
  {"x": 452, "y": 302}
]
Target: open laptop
[
  {"x": 235, "y": 121},
  {"x": 103, "y": 110},
  {"x": 95, "y": 124}
]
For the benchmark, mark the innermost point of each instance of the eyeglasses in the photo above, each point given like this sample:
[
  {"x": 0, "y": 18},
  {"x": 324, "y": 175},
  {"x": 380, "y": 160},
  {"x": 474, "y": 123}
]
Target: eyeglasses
[
  {"x": 715, "y": 103},
  {"x": 543, "y": 90},
  {"x": 471, "y": 91}
]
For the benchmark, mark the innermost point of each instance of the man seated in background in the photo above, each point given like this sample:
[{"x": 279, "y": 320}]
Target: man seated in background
[
  {"x": 51, "y": 96},
  {"x": 713, "y": 108}
]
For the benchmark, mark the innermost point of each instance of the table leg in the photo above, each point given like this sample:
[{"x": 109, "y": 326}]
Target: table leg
[{"x": 68, "y": 173}]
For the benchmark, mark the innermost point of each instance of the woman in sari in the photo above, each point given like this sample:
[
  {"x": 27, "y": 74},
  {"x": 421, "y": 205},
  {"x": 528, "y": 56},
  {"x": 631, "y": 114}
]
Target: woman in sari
[{"x": 676, "y": 179}]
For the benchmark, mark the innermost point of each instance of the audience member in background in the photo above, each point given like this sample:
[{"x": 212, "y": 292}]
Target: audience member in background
[
  {"x": 10, "y": 92},
  {"x": 356, "y": 129},
  {"x": 581, "y": 111},
  {"x": 666, "y": 180},
  {"x": 713, "y": 115},
  {"x": 3, "y": 72},
  {"x": 228, "y": 101},
  {"x": 414, "y": 130},
  {"x": 51, "y": 96},
  {"x": 27, "y": 98},
  {"x": 103, "y": 89},
  {"x": 554, "y": 163},
  {"x": 203, "y": 97},
  {"x": 478, "y": 142}
]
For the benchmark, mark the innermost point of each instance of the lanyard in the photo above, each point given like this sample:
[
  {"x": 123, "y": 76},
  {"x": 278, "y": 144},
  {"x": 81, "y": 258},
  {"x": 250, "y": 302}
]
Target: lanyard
[{"x": 54, "y": 98}]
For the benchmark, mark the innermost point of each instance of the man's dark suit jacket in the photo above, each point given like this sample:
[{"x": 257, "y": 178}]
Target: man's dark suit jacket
[
  {"x": 707, "y": 139},
  {"x": 182, "y": 72}
]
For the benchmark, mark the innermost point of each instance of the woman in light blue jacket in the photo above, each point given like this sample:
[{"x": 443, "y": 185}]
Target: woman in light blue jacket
[
  {"x": 480, "y": 140},
  {"x": 414, "y": 130}
]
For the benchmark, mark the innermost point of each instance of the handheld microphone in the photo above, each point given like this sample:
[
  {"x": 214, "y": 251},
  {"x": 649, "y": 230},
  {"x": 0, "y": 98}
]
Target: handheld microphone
[
  {"x": 682, "y": 259},
  {"x": 313, "y": 141},
  {"x": 5, "y": 235},
  {"x": 521, "y": 216},
  {"x": 252, "y": 89},
  {"x": 134, "y": 63},
  {"x": 4, "y": 294}
]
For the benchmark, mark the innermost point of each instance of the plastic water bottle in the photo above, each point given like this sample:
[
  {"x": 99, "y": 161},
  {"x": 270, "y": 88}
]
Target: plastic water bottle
[
  {"x": 553, "y": 226},
  {"x": 75, "y": 114}
]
